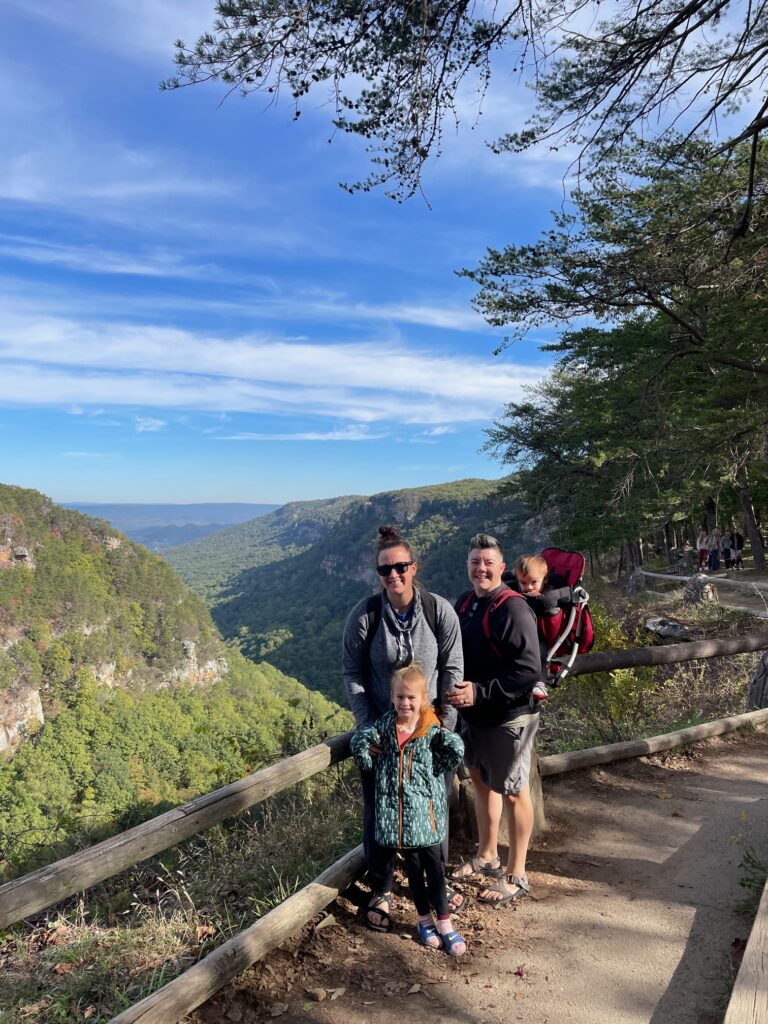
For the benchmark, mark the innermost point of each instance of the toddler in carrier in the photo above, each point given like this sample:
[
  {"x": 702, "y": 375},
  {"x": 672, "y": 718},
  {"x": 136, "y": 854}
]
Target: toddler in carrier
[
  {"x": 532, "y": 574},
  {"x": 409, "y": 752}
]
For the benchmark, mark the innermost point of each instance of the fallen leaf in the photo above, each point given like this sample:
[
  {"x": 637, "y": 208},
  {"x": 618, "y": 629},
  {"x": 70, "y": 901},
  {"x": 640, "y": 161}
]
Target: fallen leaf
[
  {"x": 63, "y": 968},
  {"x": 664, "y": 795},
  {"x": 336, "y": 992},
  {"x": 88, "y": 1012},
  {"x": 327, "y": 922},
  {"x": 416, "y": 987},
  {"x": 278, "y": 1009},
  {"x": 204, "y": 931},
  {"x": 35, "y": 1007},
  {"x": 316, "y": 994}
]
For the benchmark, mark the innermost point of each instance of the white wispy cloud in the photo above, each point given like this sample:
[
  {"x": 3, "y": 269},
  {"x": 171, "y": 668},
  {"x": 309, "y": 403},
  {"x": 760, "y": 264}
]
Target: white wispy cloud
[
  {"x": 97, "y": 260},
  {"x": 345, "y": 434},
  {"x": 267, "y": 300},
  {"x": 117, "y": 364},
  {"x": 137, "y": 28},
  {"x": 149, "y": 424}
]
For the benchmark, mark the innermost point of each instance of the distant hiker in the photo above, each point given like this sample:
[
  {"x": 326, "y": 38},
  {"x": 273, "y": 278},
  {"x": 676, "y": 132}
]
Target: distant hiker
[
  {"x": 404, "y": 753},
  {"x": 401, "y": 624},
  {"x": 725, "y": 547},
  {"x": 737, "y": 543},
  {"x": 502, "y": 661},
  {"x": 713, "y": 547},
  {"x": 701, "y": 548}
]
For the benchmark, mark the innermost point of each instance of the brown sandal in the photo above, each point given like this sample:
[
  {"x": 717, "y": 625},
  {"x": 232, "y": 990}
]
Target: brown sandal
[
  {"x": 509, "y": 888},
  {"x": 475, "y": 866}
]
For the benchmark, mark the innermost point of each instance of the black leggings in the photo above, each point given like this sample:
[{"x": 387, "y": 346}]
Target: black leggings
[{"x": 424, "y": 868}]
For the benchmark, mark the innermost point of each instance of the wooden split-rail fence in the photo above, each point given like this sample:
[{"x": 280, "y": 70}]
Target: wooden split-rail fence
[{"x": 26, "y": 896}]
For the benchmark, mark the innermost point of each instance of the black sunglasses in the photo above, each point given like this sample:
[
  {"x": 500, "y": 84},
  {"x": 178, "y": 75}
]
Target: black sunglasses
[{"x": 399, "y": 567}]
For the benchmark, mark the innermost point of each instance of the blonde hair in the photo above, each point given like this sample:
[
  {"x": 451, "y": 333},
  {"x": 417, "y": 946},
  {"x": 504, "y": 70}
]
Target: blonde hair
[
  {"x": 527, "y": 565},
  {"x": 411, "y": 673}
]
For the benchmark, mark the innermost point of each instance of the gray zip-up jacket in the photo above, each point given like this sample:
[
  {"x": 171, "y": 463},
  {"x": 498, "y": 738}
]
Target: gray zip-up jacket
[{"x": 367, "y": 668}]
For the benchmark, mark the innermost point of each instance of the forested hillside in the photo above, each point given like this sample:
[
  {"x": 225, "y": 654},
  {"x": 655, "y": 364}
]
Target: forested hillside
[
  {"x": 117, "y": 696},
  {"x": 74, "y": 593},
  {"x": 283, "y": 584}
]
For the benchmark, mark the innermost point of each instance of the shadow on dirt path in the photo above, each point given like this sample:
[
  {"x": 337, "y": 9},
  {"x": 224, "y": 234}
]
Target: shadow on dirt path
[{"x": 632, "y": 920}]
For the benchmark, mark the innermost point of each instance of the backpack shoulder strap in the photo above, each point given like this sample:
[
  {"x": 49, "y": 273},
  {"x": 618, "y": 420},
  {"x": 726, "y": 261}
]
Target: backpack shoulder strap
[
  {"x": 497, "y": 602},
  {"x": 463, "y": 603},
  {"x": 373, "y": 618},
  {"x": 429, "y": 610}
]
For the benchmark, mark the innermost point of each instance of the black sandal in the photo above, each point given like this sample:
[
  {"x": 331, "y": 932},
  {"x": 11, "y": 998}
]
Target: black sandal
[
  {"x": 374, "y": 907},
  {"x": 456, "y": 899}
]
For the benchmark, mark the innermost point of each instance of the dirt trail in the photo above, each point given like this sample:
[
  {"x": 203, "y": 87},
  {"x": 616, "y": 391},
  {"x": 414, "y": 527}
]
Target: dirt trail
[{"x": 633, "y": 918}]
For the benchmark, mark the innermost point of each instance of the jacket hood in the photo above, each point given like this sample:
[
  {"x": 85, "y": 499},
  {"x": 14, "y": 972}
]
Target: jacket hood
[{"x": 427, "y": 718}]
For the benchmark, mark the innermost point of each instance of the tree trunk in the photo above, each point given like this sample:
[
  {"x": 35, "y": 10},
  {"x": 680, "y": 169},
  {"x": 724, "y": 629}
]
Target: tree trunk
[{"x": 750, "y": 527}]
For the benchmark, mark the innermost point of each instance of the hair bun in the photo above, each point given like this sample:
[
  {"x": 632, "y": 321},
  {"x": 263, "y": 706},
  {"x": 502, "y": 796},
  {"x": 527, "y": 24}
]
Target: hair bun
[{"x": 389, "y": 535}]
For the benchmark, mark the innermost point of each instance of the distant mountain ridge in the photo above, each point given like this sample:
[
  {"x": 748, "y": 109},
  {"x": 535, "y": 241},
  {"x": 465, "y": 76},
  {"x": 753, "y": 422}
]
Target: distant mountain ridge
[
  {"x": 282, "y": 585},
  {"x": 159, "y": 526}
]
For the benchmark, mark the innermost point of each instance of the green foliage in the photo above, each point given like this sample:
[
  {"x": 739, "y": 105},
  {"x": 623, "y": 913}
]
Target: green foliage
[
  {"x": 87, "y": 596},
  {"x": 287, "y": 600},
  {"x": 663, "y": 412},
  {"x": 89, "y": 603},
  {"x": 754, "y": 872},
  {"x": 110, "y": 759},
  {"x": 602, "y": 707}
]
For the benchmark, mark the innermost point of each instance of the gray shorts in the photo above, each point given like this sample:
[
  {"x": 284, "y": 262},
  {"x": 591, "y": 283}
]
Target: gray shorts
[{"x": 501, "y": 753}]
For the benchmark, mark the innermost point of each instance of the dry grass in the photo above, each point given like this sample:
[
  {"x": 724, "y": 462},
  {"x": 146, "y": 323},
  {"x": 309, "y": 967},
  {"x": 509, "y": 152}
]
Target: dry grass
[{"x": 94, "y": 957}]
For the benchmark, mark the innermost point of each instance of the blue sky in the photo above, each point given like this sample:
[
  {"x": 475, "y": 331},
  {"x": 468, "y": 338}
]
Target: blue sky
[{"x": 191, "y": 309}]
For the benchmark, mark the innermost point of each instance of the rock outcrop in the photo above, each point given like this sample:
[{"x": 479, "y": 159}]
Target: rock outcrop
[{"x": 21, "y": 715}]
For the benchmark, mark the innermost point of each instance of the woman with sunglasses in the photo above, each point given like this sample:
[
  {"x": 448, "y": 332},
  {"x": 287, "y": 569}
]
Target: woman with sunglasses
[{"x": 400, "y": 625}]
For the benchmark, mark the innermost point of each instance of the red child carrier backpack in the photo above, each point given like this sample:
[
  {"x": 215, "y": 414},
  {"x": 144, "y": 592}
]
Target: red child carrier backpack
[
  {"x": 570, "y": 630},
  {"x": 566, "y": 632}
]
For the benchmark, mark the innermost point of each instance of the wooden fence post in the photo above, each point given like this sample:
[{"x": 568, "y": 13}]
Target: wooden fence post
[{"x": 757, "y": 695}]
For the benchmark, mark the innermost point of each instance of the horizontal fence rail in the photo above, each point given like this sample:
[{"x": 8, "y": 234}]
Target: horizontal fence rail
[
  {"x": 557, "y": 764},
  {"x": 718, "y": 581},
  {"x": 668, "y": 654},
  {"x": 34, "y": 892},
  {"x": 39, "y": 889}
]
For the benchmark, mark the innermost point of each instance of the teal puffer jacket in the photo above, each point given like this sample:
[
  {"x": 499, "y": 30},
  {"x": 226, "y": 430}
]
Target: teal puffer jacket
[{"x": 411, "y": 806}]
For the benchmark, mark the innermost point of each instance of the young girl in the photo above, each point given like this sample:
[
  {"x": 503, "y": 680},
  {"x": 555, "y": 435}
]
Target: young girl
[{"x": 409, "y": 753}]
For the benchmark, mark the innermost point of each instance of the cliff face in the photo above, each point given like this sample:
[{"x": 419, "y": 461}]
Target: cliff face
[
  {"x": 79, "y": 602},
  {"x": 21, "y": 715}
]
